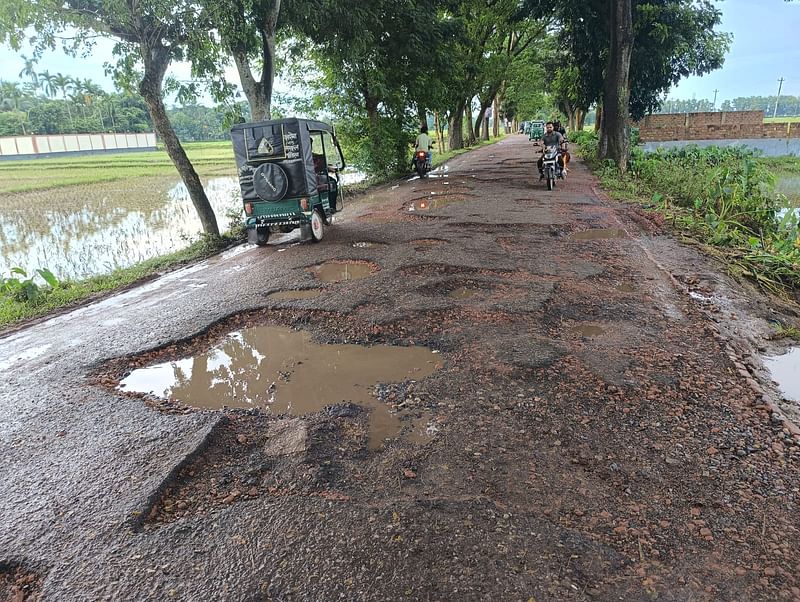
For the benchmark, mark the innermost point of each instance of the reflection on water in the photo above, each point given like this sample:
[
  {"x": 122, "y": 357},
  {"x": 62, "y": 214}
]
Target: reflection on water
[
  {"x": 81, "y": 231},
  {"x": 284, "y": 371},
  {"x": 784, "y": 370}
]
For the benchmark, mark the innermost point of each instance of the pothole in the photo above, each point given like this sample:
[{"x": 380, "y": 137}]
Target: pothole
[
  {"x": 598, "y": 234},
  {"x": 588, "y": 330},
  {"x": 463, "y": 292},
  {"x": 434, "y": 202},
  {"x": 337, "y": 271},
  {"x": 18, "y": 584},
  {"x": 283, "y": 371},
  {"x": 421, "y": 244},
  {"x": 785, "y": 370},
  {"x": 366, "y": 244},
  {"x": 308, "y": 293},
  {"x": 626, "y": 288}
]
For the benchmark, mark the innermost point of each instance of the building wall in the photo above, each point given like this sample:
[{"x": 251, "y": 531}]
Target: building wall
[
  {"x": 36, "y": 145},
  {"x": 734, "y": 125}
]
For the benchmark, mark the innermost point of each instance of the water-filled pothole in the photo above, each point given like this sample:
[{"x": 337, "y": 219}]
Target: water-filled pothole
[
  {"x": 285, "y": 372},
  {"x": 598, "y": 234},
  {"x": 588, "y": 330},
  {"x": 463, "y": 292},
  {"x": 366, "y": 244},
  {"x": 336, "y": 271},
  {"x": 626, "y": 288},
  {"x": 308, "y": 293},
  {"x": 435, "y": 202},
  {"x": 785, "y": 370}
]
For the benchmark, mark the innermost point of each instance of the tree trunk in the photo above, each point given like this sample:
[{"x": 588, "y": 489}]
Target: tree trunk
[
  {"x": 456, "y": 126},
  {"x": 470, "y": 131},
  {"x": 581, "y": 120},
  {"x": 615, "y": 136},
  {"x": 485, "y": 135},
  {"x": 496, "y": 118},
  {"x": 422, "y": 115},
  {"x": 156, "y": 60},
  {"x": 438, "y": 128},
  {"x": 259, "y": 92},
  {"x": 598, "y": 119}
]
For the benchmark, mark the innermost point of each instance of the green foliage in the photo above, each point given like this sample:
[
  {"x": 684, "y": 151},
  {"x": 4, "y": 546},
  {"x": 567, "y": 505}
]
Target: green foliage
[
  {"x": 20, "y": 288},
  {"x": 725, "y": 197}
]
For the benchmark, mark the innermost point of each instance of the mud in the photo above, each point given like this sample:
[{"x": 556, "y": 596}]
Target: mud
[
  {"x": 337, "y": 271},
  {"x": 309, "y": 293}
]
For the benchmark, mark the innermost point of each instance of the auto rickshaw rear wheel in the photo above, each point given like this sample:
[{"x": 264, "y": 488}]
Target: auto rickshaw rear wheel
[{"x": 317, "y": 225}]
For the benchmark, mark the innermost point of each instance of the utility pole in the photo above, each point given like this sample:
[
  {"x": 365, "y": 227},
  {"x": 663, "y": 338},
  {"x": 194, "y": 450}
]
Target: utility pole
[
  {"x": 714, "y": 105},
  {"x": 780, "y": 85}
]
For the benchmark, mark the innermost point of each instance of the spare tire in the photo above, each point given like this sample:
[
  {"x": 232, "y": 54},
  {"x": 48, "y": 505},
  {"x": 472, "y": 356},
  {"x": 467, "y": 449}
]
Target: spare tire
[{"x": 270, "y": 182}]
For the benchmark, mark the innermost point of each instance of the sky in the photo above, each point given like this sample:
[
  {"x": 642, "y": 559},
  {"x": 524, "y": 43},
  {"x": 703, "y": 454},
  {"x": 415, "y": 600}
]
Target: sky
[{"x": 766, "y": 47}]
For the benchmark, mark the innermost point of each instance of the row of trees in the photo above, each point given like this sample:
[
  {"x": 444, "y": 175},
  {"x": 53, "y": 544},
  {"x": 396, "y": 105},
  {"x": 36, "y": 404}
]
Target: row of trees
[
  {"x": 381, "y": 67},
  {"x": 788, "y": 106},
  {"x": 26, "y": 110}
]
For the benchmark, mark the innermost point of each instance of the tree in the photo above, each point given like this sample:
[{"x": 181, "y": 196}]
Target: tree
[
  {"x": 247, "y": 30},
  {"x": 615, "y": 137},
  {"x": 149, "y": 34}
]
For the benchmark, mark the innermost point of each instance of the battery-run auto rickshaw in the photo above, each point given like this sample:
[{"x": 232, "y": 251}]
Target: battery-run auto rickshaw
[
  {"x": 289, "y": 176},
  {"x": 536, "y": 130}
]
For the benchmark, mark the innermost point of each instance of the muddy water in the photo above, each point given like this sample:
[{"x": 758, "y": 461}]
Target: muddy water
[
  {"x": 284, "y": 371},
  {"x": 82, "y": 231},
  {"x": 336, "y": 271},
  {"x": 434, "y": 203},
  {"x": 463, "y": 292},
  {"x": 626, "y": 288},
  {"x": 785, "y": 370},
  {"x": 299, "y": 294},
  {"x": 587, "y": 330},
  {"x": 598, "y": 234}
]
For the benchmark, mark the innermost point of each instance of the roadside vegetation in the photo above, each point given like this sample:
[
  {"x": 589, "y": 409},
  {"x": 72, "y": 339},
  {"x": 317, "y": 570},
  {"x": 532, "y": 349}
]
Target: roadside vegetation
[
  {"x": 24, "y": 296},
  {"x": 721, "y": 198}
]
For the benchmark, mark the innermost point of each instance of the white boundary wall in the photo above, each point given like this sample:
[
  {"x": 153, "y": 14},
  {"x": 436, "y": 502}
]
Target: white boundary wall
[{"x": 64, "y": 143}]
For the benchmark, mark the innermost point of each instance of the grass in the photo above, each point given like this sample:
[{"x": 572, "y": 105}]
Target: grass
[
  {"x": 721, "y": 200},
  {"x": 208, "y": 158},
  {"x": 795, "y": 119},
  {"x": 70, "y": 293}
]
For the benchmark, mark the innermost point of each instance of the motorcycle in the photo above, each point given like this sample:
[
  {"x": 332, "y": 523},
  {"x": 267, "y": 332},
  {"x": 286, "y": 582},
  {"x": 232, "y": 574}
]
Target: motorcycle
[
  {"x": 550, "y": 166},
  {"x": 421, "y": 163}
]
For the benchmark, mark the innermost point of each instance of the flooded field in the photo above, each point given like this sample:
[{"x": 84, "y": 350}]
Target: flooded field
[{"x": 86, "y": 230}]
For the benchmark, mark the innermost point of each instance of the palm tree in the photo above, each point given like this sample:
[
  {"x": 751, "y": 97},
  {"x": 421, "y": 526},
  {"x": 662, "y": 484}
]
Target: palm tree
[
  {"x": 10, "y": 95},
  {"x": 47, "y": 83},
  {"x": 28, "y": 71},
  {"x": 66, "y": 84}
]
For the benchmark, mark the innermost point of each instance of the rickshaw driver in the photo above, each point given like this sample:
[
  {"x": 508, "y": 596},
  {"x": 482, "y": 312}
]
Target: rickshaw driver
[{"x": 551, "y": 138}]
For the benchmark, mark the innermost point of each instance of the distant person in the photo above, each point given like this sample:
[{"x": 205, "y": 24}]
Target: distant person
[
  {"x": 550, "y": 138},
  {"x": 424, "y": 142}
]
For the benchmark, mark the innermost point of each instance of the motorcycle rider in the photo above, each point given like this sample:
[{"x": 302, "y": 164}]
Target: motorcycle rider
[
  {"x": 551, "y": 138},
  {"x": 424, "y": 142}
]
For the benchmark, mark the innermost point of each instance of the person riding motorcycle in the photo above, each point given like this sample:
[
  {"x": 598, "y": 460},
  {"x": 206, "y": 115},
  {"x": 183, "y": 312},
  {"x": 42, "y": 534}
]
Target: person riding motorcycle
[
  {"x": 424, "y": 142},
  {"x": 551, "y": 138}
]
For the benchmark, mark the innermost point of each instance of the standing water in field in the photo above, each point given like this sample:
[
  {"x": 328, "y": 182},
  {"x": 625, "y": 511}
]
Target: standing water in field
[{"x": 81, "y": 231}]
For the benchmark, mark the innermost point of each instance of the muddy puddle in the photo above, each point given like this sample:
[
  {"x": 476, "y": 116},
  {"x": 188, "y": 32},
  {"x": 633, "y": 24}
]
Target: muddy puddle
[
  {"x": 336, "y": 271},
  {"x": 598, "y": 234},
  {"x": 588, "y": 330},
  {"x": 626, "y": 288},
  {"x": 463, "y": 292},
  {"x": 285, "y": 372},
  {"x": 785, "y": 370},
  {"x": 309, "y": 293},
  {"x": 434, "y": 202}
]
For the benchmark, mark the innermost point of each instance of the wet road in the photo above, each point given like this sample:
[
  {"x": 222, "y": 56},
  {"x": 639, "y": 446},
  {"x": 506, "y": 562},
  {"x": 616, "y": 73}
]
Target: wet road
[{"x": 591, "y": 436}]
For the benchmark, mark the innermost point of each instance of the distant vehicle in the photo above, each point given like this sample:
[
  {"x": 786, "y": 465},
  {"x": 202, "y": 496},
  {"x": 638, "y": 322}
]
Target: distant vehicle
[
  {"x": 536, "y": 130},
  {"x": 289, "y": 176}
]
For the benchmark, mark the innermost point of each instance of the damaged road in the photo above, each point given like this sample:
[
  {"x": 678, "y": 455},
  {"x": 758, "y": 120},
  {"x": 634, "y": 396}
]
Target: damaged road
[{"x": 590, "y": 430}]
